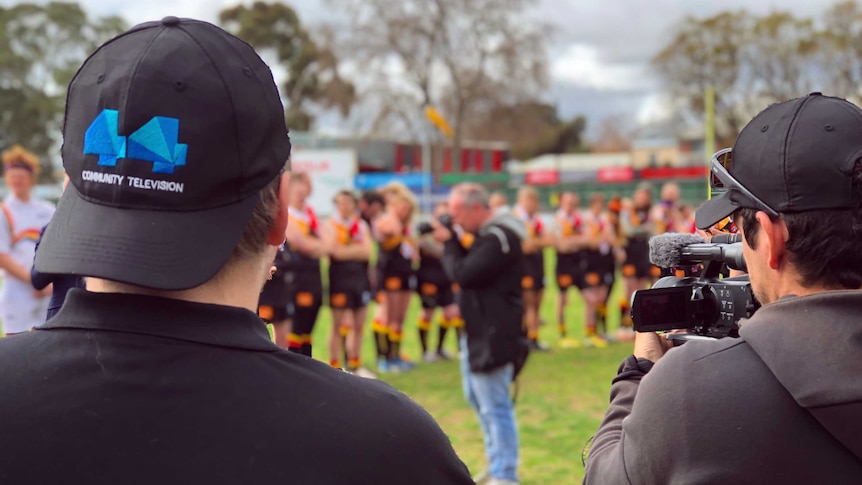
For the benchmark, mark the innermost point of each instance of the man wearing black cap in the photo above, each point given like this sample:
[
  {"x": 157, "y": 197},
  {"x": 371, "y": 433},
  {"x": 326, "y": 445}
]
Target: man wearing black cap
[
  {"x": 781, "y": 403},
  {"x": 160, "y": 372}
]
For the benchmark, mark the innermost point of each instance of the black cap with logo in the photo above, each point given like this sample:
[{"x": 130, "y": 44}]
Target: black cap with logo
[
  {"x": 171, "y": 131},
  {"x": 794, "y": 156}
]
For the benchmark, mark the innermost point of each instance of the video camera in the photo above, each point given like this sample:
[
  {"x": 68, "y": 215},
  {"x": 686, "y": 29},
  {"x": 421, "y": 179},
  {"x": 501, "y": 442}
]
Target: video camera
[
  {"x": 707, "y": 306},
  {"x": 424, "y": 228}
]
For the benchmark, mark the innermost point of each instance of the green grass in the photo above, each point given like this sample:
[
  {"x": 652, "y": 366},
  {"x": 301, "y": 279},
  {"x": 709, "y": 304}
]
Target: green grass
[{"x": 563, "y": 393}]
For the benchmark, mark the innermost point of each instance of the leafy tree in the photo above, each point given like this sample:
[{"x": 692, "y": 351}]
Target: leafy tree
[
  {"x": 839, "y": 44},
  {"x": 532, "y": 128},
  {"x": 753, "y": 60},
  {"x": 41, "y": 48},
  {"x": 780, "y": 56},
  {"x": 462, "y": 57},
  {"x": 707, "y": 52},
  {"x": 615, "y": 134},
  {"x": 312, "y": 74}
]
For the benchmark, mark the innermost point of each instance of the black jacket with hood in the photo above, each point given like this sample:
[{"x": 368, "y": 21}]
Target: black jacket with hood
[
  {"x": 780, "y": 404},
  {"x": 489, "y": 274}
]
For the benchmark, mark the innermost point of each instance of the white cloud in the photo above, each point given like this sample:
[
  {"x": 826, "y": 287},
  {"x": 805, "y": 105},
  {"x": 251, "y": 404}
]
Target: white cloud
[
  {"x": 581, "y": 64},
  {"x": 654, "y": 108}
]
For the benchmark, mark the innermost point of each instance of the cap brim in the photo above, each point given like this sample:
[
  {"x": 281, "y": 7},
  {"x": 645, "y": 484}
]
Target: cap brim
[
  {"x": 714, "y": 210},
  {"x": 154, "y": 249}
]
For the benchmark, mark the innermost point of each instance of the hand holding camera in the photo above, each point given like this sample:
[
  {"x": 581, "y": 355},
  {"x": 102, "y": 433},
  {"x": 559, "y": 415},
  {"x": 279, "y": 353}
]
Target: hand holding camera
[{"x": 439, "y": 228}]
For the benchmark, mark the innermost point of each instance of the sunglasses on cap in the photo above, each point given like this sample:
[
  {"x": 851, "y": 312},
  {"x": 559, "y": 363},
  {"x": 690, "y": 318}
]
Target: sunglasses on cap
[{"x": 721, "y": 179}]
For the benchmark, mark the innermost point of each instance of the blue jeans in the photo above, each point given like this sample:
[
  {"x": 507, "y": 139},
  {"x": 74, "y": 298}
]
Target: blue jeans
[{"x": 488, "y": 393}]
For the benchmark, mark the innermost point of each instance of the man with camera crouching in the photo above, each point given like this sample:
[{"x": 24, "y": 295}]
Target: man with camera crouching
[
  {"x": 493, "y": 347},
  {"x": 781, "y": 403}
]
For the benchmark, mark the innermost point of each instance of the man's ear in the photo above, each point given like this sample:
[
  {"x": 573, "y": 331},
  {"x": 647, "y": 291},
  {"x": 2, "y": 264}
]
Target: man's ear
[
  {"x": 774, "y": 234},
  {"x": 279, "y": 225}
]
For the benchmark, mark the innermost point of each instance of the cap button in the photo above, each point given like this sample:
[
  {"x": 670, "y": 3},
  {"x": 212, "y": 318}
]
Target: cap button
[
  {"x": 816, "y": 93},
  {"x": 170, "y": 21}
]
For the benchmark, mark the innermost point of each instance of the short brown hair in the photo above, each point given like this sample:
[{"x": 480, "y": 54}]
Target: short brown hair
[
  {"x": 254, "y": 236},
  {"x": 346, "y": 193},
  {"x": 299, "y": 177},
  {"x": 527, "y": 191},
  {"x": 18, "y": 156}
]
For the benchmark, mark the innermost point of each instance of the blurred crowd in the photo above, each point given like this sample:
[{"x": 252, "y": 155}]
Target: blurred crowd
[{"x": 377, "y": 251}]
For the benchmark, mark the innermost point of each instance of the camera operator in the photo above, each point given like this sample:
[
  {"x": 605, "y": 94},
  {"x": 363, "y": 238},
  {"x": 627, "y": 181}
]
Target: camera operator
[
  {"x": 493, "y": 345},
  {"x": 781, "y": 403}
]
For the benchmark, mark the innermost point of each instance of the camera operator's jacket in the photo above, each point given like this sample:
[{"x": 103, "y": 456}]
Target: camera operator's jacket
[
  {"x": 489, "y": 275},
  {"x": 780, "y": 404}
]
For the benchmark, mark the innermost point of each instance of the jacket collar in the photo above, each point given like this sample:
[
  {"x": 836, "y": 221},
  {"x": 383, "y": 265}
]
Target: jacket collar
[{"x": 208, "y": 324}]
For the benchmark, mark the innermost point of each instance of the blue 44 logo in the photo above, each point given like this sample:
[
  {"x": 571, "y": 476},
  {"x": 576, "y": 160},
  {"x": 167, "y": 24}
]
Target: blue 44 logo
[{"x": 155, "y": 142}]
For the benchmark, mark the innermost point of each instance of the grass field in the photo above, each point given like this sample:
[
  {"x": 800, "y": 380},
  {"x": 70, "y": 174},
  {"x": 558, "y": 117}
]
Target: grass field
[{"x": 562, "y": 399}]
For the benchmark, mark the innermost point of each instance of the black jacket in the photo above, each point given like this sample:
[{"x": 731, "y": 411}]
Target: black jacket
[
  {"x": 780, "y": 404},
  {"x": 489, "y": 274},
  {"x": 141, "y": 390}
]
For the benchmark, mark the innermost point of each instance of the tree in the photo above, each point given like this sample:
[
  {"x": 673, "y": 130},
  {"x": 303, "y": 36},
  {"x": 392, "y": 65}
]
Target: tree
[
  {"x": 312, "y": 69},
  {"x": 707, "y": 52},
  {"x": 41, "y": 48},
  {"x": 779, "y": 56},
  {"x": 614, "y": 135},
  {"x": 461, "y": 57},
  {"x": 840, "y": 46},
  {"x": 532, "y": 128},
  {"x": 753, "y": 61}
]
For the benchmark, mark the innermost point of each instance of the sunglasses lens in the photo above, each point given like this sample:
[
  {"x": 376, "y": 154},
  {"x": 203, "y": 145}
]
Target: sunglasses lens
[{"x": 724, "y": 159}]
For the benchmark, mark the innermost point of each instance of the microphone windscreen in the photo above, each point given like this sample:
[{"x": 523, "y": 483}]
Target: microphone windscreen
[{"x": 664, "y": 249}]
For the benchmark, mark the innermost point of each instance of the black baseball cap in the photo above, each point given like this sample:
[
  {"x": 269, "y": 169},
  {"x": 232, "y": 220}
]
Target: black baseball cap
[
  {"x": 171, "y": 131},
  {"x": 794, "y": 156}
]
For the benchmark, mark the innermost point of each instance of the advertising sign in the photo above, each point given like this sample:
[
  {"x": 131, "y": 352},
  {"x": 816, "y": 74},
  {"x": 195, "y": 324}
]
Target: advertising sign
[
  {"x": 413, "y": 181},
  {"x": 543, "y": 177},
  {"x": 330, "y": 171},
  {"x": 608, "y": 175}
]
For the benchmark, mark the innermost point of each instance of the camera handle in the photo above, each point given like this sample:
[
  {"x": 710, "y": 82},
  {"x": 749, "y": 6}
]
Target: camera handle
[{"x": 681, "y": 338}]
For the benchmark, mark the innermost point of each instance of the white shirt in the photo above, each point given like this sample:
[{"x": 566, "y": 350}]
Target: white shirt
[{"x": 19, "y": 309}]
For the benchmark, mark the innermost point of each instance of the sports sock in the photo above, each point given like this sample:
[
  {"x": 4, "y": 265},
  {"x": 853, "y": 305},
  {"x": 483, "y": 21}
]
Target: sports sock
[
  {"x": 306, "y": 345},
  {"x": 443, "y": 325},
  {"x": 344, "y": 330},
  {"x": 625, "y": 314},
  {"x": 602, "y": 318},
  {"x": 424, "y": 326},
  {"x": 294, "y": 343},
  {"x": 458, "y": 325},
  {"x": 394, "y": 338},
  {"x": 381, "y": 339},
  {"x": 353, "y": 363},
  {"x": 562, "y": 327}
]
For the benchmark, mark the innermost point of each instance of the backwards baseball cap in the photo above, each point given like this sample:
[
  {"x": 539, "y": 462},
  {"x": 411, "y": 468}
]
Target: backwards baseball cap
[
  {"x": 794, "y": 156},
  {"x": 171, "y": 131}
]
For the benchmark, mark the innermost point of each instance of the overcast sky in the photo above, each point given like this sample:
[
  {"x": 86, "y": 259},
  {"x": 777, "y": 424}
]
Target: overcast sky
[{"x": 599, "y": 52}]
